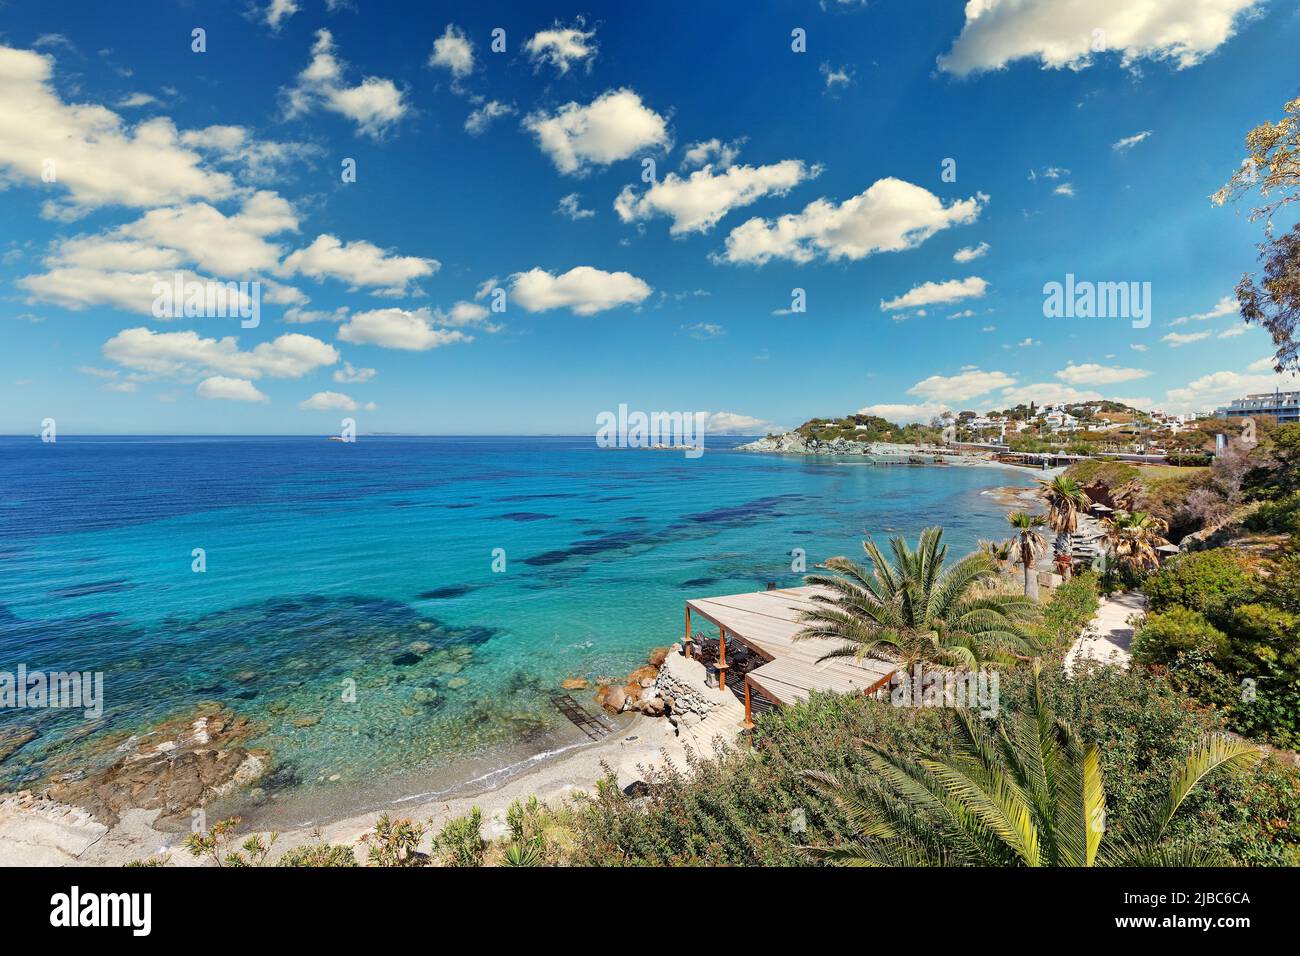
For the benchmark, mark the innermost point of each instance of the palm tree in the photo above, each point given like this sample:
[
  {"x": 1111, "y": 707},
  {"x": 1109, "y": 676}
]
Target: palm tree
[
  {"x": 1133, "y": 539},
  {"x": 914, "y": 609},
  {"x": 1030, "y": 541},
  {"x": 1066, "y": 500},
  {"x": 1027, "y": 793}
]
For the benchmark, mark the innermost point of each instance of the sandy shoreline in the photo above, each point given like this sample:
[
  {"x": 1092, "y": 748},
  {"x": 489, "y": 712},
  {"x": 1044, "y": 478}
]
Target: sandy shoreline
[{"x": 53, "y": 835}]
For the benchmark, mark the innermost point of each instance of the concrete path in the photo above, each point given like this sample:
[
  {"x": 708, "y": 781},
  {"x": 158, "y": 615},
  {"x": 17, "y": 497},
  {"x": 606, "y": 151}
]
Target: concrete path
[{"x": 1108, "y": 635}]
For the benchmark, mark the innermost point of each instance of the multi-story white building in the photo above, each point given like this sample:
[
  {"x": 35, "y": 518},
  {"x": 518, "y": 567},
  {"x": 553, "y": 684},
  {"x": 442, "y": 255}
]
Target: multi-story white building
[{"x": 1284, "y": 406}]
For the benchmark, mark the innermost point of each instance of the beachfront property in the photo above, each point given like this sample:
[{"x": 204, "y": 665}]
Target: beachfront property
[{"x": 1284, "y": 406}]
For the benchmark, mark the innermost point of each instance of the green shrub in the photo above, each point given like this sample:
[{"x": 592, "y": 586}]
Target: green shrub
[
  {"x": 1163, "y": 636},
  {"x": 318, "y": 855},
  {"x": 1277, "y": 517},
  {"x": 396, "y": 842},
  {"x": 1212, "y": 582},
  {"x": 758, "y": 808},
  {"x": 1264, "y": 636},
  {"x": 1072, "y": 606},
  {"x": 461, "y": 842}
]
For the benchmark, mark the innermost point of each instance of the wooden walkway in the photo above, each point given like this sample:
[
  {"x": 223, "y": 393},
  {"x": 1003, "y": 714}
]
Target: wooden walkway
[{"x": 766, "y": 622}]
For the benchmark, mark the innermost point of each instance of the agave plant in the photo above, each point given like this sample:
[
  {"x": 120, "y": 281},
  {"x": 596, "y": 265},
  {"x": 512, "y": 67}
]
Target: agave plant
[
  {"x": 914, "y": 609},
  {"x": 1027, "y": 793},
  {"x": 1066, "y": 500},
  {"x": 1133, "y": 539},
  {"x": 1029, "y": 541}
]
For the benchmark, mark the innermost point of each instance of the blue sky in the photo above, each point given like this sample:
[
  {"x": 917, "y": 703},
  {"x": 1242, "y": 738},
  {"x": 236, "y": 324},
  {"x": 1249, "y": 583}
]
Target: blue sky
[{"x": 1085, "y": 142}]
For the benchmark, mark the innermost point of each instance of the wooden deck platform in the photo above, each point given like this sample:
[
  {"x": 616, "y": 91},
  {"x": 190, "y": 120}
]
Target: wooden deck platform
[{"x": 766, "y": 622}]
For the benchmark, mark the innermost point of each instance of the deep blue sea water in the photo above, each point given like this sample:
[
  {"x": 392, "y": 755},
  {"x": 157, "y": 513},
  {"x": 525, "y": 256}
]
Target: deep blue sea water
[{"x": 327, "y": 561}]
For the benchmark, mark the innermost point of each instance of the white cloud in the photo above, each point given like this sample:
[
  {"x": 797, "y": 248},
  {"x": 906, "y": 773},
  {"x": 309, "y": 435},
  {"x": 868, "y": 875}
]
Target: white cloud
[
  {"x": 277, "y": 11},
  {"x": 889, "y": 216},
  {"x": 296, "y": 316},
  {"x": 260, "y": 161},
  {"x": 410, "y": 331},
  {"x": 1066, "y": 33},
  {"x": 583, "y": 289},
  {"x": 971, "y": 253},
  {"x": 906, "y": 414},
  {"x": 613, "y": 126},
  {"x": 696, "y": 203},
  {"x": 134, "y": 100},
  {"x": 562, "y": 46},
  {"x": 961, "y": 387},
  {"x": 836, "y": 78},
  {"x": 1232, "y": 333},
  {"x": 78, "y": 288},
  {"x": 1179, "y": 339},
  {"x": 119, "y": 267},
  {"x": 1208, "y": 391},
  {"x": 1045, "y": 393},
  {"x": 360, "y": 264},
  {"x": 187, "y": 355},
  {"x": 347, "y": 375},
  {"x": 1093, "y": 374},
  {"x": 1138, "y": 348},
  {"x": 704, "y": 331},
  {"x": 571, "y": 208},
  {"x": 329, "y": 401},
  {"x": 1128, "y": 142},
  {"x": 1065, "y": 189},
  {"x": 462, "y": 314},
  {"x": 229, "y": 389},
  {"x": 453, "y": 51},
  {"x": 937, "y": 293},
  {"x": 733, "y": 423},
  {"x": 99, "y": 159},
  {"x": 375, "y": 105},
  {"x": 477, "y": 122},
  {"x": 1225, "y": 306},
  {"x": 714, "y": 151}
]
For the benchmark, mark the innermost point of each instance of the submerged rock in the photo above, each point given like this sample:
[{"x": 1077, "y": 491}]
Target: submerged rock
[
  {"x": 174, "y": 768},
  {"x": 574, "y": 683},
  {"x": 13, "y": 739}
]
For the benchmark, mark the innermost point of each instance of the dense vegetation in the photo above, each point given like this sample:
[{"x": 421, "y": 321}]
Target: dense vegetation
[{"x": 868, "y": 428}]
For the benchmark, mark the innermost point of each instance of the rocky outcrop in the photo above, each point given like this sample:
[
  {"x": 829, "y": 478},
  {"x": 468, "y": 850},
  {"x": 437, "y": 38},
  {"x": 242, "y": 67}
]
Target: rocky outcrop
[
  {"x": 174, "y": 768},
  {"x": 793, "y": 443}
]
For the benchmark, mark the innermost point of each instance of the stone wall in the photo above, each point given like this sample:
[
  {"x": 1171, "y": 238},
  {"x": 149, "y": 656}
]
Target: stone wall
[{"x": 683, "y": 685}]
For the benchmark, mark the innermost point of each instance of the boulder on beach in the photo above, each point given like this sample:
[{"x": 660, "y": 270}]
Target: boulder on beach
[
  {"x": 612, "y": 698},
  {"x": 658, "y": 656}
]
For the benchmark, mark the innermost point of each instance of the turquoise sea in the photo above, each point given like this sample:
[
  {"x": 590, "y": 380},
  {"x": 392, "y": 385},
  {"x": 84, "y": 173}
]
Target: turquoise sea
[{"x": 330, "y": 563}]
